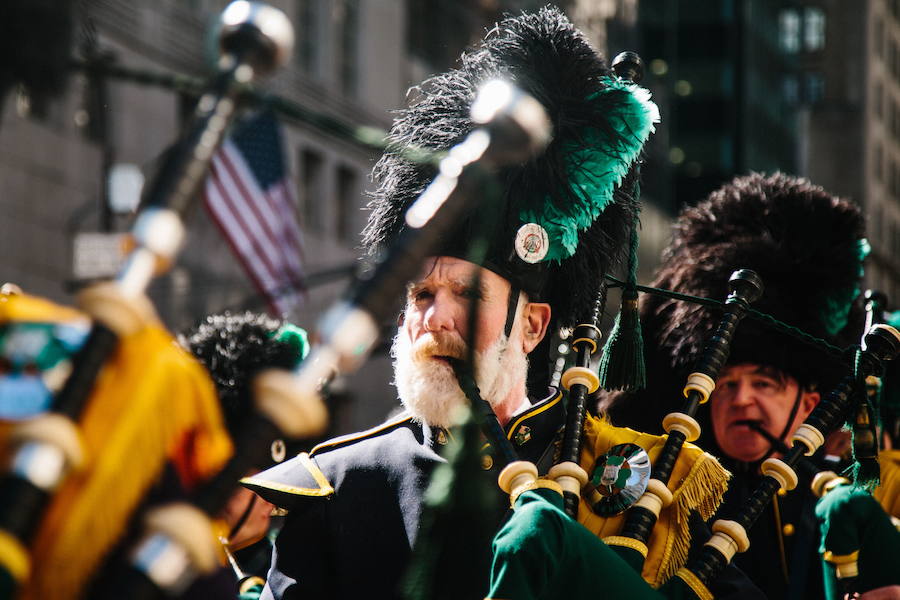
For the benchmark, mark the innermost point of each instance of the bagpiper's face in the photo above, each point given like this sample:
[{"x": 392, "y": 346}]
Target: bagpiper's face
[
  {"x": 750, "y": 393},
  {"x": 438, "y": 304},
  {"x": 435, "y": 329}
]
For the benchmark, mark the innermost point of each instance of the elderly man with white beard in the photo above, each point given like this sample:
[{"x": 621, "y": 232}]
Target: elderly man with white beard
[
  {"x": 561, "y": 221},
  {"x": 434, "y": 331},
  {"x": 354, "y": 502}
]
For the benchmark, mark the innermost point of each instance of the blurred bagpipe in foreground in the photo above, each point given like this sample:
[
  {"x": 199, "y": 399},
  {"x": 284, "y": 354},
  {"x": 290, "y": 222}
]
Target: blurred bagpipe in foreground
[{"x": 121, "y": 470}]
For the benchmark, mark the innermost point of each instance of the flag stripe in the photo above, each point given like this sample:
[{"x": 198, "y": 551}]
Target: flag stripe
[
  {"x": 282, "y": 250},
  {"x": 241, "y": 203},
  {"x": 239, "y": 243},
  {"x": 259, "y": 224},
  {"x": 245, "y": 234}
]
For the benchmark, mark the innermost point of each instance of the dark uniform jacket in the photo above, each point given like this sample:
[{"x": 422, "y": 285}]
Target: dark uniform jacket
[
  {"x": 354, "y": 505},
  {"x": 783, "y": 558}
]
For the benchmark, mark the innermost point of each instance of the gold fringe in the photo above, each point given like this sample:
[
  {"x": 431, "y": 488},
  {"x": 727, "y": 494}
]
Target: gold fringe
[
  {"x": 152, "y": 402},
  {"x": 700, "y": 490},
  {"x": 888, "y": 492},
  {"x": 698, "y": 483}
]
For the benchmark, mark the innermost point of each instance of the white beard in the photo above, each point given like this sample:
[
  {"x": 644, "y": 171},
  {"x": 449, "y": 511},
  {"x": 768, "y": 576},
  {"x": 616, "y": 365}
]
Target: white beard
[{"x": 429, "y": 389}]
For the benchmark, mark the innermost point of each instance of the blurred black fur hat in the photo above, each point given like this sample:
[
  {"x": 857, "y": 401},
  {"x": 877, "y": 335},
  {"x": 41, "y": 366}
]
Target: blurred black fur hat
[
  {"x": 236, "y": 347},
  {"x": 807, "y": 246}
]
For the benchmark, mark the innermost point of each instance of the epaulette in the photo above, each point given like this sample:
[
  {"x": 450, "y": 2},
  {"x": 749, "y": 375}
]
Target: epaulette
[{"x": 299, "y": 477}]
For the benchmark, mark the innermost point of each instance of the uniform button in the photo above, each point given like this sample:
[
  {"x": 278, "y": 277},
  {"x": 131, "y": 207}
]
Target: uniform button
[
  {"x": 788, "y": 529},
  {"x": 487, "y": 462},
  {"x": 782, "y": 492}
]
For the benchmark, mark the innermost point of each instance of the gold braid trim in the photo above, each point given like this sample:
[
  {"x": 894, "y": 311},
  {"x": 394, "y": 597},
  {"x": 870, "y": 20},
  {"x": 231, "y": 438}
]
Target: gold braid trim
[
  {"x": 701, "y": 490},
  {"x": 534, "y": 485},
  {"x": 695, "y": 584},
  {"x": 627, "y": 542},
  {"x": 841, "y": 559}
]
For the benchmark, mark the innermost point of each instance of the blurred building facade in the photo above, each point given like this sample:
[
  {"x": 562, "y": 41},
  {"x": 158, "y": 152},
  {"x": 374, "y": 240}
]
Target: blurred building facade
[
  {"x": 806, "y": 87},
  {"x": 350, "y": 63},
  {"x": 354, "y": 61}
]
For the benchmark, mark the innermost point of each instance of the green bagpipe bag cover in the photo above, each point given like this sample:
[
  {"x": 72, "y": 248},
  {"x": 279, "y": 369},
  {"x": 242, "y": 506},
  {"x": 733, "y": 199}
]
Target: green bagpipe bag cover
[
  {"x": 542, "y": 553},
  {"x": 851, "y": 521}
]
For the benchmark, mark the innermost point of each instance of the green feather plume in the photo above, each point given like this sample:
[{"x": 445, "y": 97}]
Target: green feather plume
[{"x": 596, "y": 165}]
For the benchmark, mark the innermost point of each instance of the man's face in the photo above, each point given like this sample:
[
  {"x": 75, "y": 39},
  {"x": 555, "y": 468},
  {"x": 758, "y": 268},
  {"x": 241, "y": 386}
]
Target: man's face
[
  {"x": 750, "y": 392},
  {"x": 435, "y": 329}
]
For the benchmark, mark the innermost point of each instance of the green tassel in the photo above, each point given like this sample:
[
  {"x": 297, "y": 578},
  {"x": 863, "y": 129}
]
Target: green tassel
[{"x": 622, "y": 363}]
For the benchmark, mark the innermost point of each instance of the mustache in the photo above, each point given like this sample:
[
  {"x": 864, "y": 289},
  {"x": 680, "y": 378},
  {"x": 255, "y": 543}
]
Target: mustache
[{"x": 439, "y": 344}]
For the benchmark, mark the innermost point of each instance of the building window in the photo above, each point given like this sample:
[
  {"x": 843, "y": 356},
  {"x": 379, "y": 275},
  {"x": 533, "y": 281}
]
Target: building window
[
  {"x": 891, "y": 116},
  {"x": 895, "y": 238},
  {"x": 889, "y": 52},
  {"x": 309, "y": 43},
  {"x": 894, "y": 123},
  {"x": 892, "y": 178},
  {"x": 878, "y": 100},
  {"x": 874, "y": 228},
  {"x": 790, "y": 89},
  {"x": 311, "y": 194},
  {"x": 813, "y": 29},
  {"x": 789, "y": 31},
  {"x": 878, "y": 38},
  {"x": 347, "y": 203},
  {"x": 876, "y": 162},
  {"x": 814, "y": 84},
  {"x": 895, "y": 59},
  {"x": 348, "y": 21}
]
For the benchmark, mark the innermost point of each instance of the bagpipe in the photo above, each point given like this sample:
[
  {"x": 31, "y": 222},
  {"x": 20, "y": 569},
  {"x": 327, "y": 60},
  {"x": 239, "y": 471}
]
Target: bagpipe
[
  {"x": 538, "y": 509},
  {"x": 860, "y": 537},
  {"x": 132, "y": 400},
  {"x": 524, "y": 548}
]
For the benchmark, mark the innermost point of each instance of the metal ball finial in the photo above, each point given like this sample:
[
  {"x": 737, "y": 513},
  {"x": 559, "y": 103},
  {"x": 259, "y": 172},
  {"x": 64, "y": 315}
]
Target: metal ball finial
[
  {"x": 255, "y": 34},
  {"x": 628, "y": 65},
  {"x": 746, "y": 284},
  {"x": 883, "y": 341}
]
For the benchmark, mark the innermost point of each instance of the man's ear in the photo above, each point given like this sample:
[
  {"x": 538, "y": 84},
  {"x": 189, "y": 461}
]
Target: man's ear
[
  {"x": 536, "y": 316},
  {"x": 808, "y": 402}
]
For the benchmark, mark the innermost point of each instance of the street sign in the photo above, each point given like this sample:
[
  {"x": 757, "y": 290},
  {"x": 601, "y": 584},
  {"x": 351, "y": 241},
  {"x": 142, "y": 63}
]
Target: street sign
[{"x": 97, "y": 255}]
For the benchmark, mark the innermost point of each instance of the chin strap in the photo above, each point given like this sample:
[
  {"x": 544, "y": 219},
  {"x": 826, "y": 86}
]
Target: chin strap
[
  {"x": 787, "y": 426},
  {"x": 243, "y": 518},
  {"x": 512, "y": 305}
]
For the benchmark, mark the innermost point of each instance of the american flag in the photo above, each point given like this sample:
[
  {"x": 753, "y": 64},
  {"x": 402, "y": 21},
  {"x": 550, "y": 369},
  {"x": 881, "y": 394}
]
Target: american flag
[{"x": 250, "y": 197}]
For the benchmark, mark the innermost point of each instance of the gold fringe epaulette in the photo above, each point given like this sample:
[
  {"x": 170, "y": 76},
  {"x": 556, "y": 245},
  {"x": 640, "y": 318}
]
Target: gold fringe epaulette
[
  {"x": 698, "y": 483},
  {"x": 700, "y": 491},
  {"x": 888, "y": 492}
]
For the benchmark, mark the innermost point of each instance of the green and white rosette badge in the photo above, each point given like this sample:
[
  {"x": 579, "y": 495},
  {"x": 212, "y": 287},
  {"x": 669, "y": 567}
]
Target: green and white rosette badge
[
  {"x": 619, "y": 479},
  {"x": 532, "y": 243}
]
